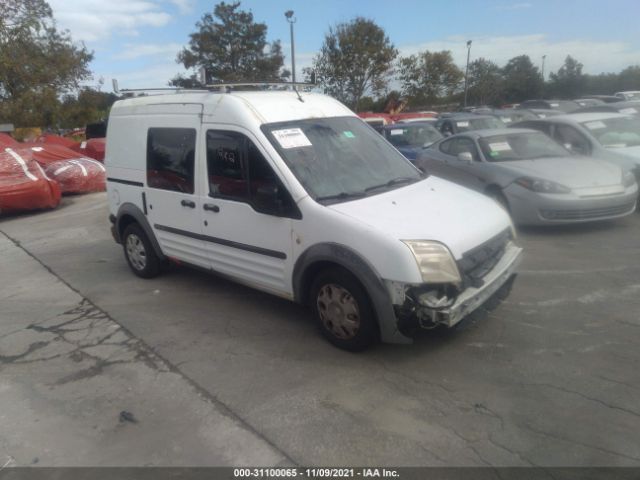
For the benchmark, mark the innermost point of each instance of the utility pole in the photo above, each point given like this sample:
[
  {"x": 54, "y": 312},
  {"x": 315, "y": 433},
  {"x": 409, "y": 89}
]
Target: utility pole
[
  {"x": 543, "y": 59},
  {"x": 291, "y": 20},
  {"x": 466, "y": 72}
]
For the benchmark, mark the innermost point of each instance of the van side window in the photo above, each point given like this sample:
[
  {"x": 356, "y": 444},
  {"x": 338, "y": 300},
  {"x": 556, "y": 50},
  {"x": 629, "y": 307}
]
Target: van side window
[
  {"x": 171, "y": 158},
  {"x": 225, "y": 167},
  {"x": 237, "y": 170}
]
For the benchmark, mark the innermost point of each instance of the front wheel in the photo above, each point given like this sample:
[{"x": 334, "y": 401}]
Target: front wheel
[
  {"x": 342, "y": 310},
  {"x": 141, "y": 257}
]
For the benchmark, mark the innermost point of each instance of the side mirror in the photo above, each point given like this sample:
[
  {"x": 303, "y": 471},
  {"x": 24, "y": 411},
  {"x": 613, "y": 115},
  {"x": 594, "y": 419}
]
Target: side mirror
[{"x": 465, "y": 157}]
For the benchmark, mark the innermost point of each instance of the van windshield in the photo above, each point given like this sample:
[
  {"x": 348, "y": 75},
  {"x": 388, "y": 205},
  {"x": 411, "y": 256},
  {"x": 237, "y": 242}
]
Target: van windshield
[{"x": 340, "y": 158}]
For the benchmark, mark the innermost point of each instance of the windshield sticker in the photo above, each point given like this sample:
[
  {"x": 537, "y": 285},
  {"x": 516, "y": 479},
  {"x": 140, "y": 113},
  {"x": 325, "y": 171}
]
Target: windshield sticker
[
  {"x": 628, "y": 110},
  {"x": 555, "y": 105},
  {"x": 462, "y": 124},
  {"x": 500, "y": 147},
  {"x": 348, "y": 134},
  {"x": 291, "y": 138},
  {"x": 595, "y": 125},
  {"x": 542, "y": 115},
  {"x": 37, "y": 149},
  {"x": 397, "y": 131},
  {"x": 506, "y": 119}
]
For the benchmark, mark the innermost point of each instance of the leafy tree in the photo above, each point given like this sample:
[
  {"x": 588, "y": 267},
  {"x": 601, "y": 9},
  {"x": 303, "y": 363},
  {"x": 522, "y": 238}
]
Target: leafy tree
[
  {"x": 88, "y": 106},
  {"x": 428, "y": 76},
  {"x": 569, "y": 81},
  {"x": 628, "y": 79},
  {"x": 485, "y": 82},
  {"x": 522, "y": 80},
  {"x": 356, "y": 58},
  {"x": 37, "y": 63},
  {"x": 231, "y": 47}
]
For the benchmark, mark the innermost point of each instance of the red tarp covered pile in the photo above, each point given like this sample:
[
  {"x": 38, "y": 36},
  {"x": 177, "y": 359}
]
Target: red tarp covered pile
[
  {"x": 7, "y": 141},
  {"x": 81, "y": 175},
  {"x": 92, "y": 148},
  {"x": 24, "y": 184}
]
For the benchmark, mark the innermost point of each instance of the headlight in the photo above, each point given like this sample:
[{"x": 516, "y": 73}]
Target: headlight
[
  {"x": 542, "y": 186},
  {"x": 628, "y": 179},
  {"x": 435, "y": 261}
]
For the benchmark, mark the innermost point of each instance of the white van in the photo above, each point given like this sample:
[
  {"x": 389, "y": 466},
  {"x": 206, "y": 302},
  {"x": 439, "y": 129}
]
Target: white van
[{"x": 297, "y": 196}]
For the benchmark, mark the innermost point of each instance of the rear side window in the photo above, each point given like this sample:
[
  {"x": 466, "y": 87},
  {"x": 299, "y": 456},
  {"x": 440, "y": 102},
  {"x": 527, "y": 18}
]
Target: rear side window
[{"x": 171, "y": 158}]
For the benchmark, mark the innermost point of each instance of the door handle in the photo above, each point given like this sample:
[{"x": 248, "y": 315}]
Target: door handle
[
  {"x": 188, "y": 203},
  {"x": 210, "y": 207}
]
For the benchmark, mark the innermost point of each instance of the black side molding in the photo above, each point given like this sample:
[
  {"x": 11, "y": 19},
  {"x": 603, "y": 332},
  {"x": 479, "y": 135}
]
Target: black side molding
[
  {"x": 222, "y": 241},
  {"x": 125, "y": 182}
]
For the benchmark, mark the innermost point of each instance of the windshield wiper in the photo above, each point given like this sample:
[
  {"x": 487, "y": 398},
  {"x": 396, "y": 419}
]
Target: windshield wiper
[
  {"x": 342, "y": 196},
  {"x": 391, "y": 183}
]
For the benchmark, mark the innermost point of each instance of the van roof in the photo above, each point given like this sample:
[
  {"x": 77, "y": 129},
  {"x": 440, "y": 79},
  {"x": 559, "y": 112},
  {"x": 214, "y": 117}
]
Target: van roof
[{"x": 234, "y": 107}]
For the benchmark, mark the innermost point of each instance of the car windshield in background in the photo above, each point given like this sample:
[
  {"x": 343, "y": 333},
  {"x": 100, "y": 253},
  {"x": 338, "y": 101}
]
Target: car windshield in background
[
  {"x": 615, "y": 132},
  {"x": 478, "y": 124},
  {"x": 338, "y": 159},
  {"x": 520, "y": 146},
  {"x": 413, "y": 136}
]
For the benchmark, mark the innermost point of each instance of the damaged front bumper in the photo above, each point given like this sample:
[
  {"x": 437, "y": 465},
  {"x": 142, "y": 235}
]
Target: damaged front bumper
[{"x": 427, "y": 307}]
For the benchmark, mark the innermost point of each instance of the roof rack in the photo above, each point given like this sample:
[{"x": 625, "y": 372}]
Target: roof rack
[{"x": 222, "y": 87}]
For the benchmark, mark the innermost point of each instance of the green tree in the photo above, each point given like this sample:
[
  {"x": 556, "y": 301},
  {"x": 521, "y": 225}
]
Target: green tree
[
  {"x": 88, "y": 106},
  {"x": 485, "y": 82},
  {"x": 356, "y": 58},
  {"x": 429, "y": 76},
  {"x": 231, "y": 47},
  {"x": 522, "y": 80},
  {"x": 569, "y": 81},
  {"x": 38, "y": 63}
]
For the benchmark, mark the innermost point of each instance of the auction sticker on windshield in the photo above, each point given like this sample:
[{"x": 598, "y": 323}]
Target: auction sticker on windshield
[
  {"x": 595, "y": 125},
  {"x": 291, "y": 138},
  {"x": 396, "y": 132},
  {"x": 500, "y": 147}
]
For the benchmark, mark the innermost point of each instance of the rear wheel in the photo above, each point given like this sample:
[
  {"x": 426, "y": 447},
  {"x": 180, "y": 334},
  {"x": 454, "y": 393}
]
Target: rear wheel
[
  {"x": 342, "y": 310},
  {"x": 141, "y": 257}
]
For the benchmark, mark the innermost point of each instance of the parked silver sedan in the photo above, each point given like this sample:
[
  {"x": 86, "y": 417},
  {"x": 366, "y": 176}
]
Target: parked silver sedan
[{"x": 537, "y": 180}]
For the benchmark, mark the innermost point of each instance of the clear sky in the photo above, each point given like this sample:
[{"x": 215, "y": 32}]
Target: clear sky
[{"x": 136, "y": 41}]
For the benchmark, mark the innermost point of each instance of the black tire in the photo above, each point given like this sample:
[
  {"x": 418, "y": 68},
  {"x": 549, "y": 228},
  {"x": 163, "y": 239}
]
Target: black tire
[
  {"x": 139, "y": 252},
  {"x": 336, "y": 293}
]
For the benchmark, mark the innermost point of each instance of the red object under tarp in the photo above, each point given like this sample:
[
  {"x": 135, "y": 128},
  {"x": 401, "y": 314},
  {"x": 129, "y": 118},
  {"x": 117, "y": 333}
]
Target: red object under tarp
[
  {"x": 93, "y": 148},
  {"x": 46, "y": 153},
  {"x": 23, "y": 183},
  {"x": 7, "y": 141},
  {"x": 57, "y": 140},
  {"x": 81, "y": 175}
]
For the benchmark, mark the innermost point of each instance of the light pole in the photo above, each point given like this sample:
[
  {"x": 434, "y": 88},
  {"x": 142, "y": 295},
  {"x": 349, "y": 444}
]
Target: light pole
[
  {"x": 292, "y": 20},
  {"x": 466, "y": 72},
  {"x": 543, "y": 59}
]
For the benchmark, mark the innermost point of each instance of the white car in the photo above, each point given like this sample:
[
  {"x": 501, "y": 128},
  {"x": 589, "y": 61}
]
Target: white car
[
  {"x": 629, "y": 95},
  {"x": 294, "y": 195}
]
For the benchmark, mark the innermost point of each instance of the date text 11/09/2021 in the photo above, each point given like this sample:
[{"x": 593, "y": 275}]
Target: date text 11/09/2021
[{"x": 314, "y": 473}]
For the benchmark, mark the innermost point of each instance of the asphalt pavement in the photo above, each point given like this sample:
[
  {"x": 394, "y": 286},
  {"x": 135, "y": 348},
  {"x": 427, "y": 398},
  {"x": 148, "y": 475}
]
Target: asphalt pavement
[{"x": 218, "y": 374}]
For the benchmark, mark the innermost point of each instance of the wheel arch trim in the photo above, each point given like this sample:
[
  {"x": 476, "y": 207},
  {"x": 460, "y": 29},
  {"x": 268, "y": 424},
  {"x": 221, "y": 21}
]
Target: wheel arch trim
[{"x": 347, "y": 258}]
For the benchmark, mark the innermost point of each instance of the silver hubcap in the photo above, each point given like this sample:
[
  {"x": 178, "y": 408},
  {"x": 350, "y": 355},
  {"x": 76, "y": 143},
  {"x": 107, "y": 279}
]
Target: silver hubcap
[
  {"x": 136, "y": 252},
  {"x": 338, "y": 311}
]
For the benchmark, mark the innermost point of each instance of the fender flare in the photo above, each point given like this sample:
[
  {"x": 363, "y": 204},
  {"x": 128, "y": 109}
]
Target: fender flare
[
  {"x": 350, "y": 260},
  {"x": 132, "y": 210}
]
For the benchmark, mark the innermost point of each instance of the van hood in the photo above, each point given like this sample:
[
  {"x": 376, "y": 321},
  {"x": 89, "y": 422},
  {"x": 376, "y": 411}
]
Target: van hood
[
  {"x": 573, "y": 172},
  {"x": 432, "y": 209}
]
